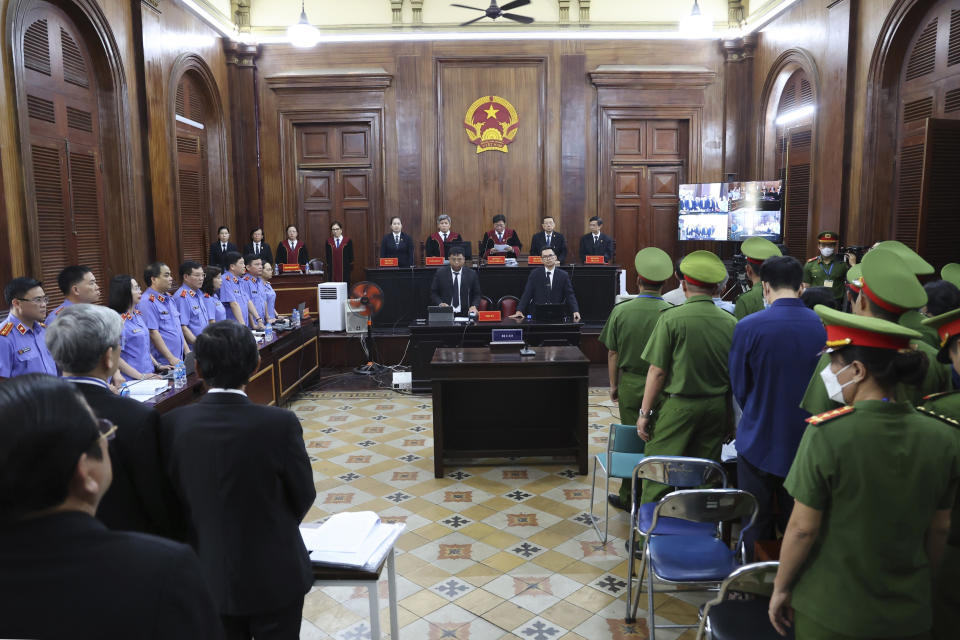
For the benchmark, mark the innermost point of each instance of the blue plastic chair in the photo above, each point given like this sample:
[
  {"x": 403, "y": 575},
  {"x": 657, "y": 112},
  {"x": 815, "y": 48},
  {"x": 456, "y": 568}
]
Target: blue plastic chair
[
  {"x": 745, "y": 618},
  {"x": 624, "y": 451},
  {"x": 679, "y": 472},
  {"x": 695, "y": 559}
]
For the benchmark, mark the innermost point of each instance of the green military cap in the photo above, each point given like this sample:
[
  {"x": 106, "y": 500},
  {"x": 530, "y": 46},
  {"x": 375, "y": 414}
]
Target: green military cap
[
  {"x": 947, "y": 326},
  {"x": 703, "y": 267},
  {"x": 916, "y": 264},
  {"x": 828, "y": 236},
  {"x": 951, "y": 273},
  {"x": 886, "y": 279},
  {"x": 854, "y": 274},
  {"x": 846, "y": 329},
  {"x": 653, "y": 264},
  {"x": 757, "y": 250}
]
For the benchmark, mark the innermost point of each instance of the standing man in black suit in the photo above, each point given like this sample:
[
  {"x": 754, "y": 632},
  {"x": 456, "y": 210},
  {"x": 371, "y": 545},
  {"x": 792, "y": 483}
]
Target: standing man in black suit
[
  {"x": 597, "y": 243},
  {"x": 397, "y": 244},
  {"x": 112, "y": 585},
  {"x": 220, "y": 247},
  {"x": 456, "y": 286},
  {"x": 258, "y": 247},
  {"x": 243, "y": 474},
  {"x": 85, "y": 343},
  {"x": 549, "y": 238},
  {"x": 548, "y": 285}
]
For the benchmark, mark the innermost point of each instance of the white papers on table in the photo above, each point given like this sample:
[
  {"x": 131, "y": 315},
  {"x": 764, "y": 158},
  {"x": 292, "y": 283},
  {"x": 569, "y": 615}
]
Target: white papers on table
[
  {"x": 143, "y": 390},
  {"x": 502, "y": 248},
  {"x": 355, "y": 540}
]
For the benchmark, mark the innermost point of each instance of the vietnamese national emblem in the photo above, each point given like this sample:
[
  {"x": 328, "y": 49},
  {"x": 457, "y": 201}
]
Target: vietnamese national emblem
[{"x": 491, "y": 123}]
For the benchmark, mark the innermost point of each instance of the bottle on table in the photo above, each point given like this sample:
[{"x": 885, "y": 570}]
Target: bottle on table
[{"x": 180, "y": 375}]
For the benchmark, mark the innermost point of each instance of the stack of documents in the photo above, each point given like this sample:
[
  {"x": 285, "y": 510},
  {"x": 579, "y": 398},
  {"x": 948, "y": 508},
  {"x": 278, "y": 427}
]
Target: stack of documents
[
  {"x": 354, "y": 540},
  {"x": 143, "y": 390}
]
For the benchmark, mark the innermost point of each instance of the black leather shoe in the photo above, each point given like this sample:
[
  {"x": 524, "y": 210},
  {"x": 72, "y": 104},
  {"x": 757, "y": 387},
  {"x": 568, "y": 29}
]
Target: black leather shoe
[{"x": 615, "y": 502}]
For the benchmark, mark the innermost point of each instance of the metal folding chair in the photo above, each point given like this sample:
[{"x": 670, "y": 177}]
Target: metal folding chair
[
  {"x": 695, "y": 560},
  {"x": 624, "y": 451},
  {"x": 745, "y": 618},
  {"x": 679, "y": 472}
]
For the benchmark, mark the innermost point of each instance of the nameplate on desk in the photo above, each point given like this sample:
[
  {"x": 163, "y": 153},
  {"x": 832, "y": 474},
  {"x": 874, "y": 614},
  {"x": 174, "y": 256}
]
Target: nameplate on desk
[
  {"x": 488, "y": 316},
  {"x": 290, "y": 268},
  {"x": 594, "y": 260},
  {"x": 389, "y": 262},
  {"x": 534, "y": 260},
  {"x": 506, "y": 336},
  {"x": 497, "y": 260},
  {"x": 433, "y": 261}
]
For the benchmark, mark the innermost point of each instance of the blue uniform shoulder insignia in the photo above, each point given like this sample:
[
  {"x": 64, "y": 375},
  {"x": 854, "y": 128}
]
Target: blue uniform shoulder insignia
[
  {"x": 183, "y": 294},
  {"x": 41, "y": 325},
  {"x": 6, "y": 329},
  {"x": 22, "y": 329},
  {"x": 206, "y": 295},
  {"x": 152, "y": 297},
  {"x": 826, "y": 416}
]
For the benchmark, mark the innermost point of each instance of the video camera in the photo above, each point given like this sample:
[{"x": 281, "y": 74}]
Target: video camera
[{"x": 856, "y": 250}]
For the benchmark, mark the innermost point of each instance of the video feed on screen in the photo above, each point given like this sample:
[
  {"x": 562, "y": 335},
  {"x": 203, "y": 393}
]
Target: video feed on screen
[{"x": 742, "y": 209}]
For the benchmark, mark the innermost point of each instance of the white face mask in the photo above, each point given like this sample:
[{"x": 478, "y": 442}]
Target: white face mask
[
  {"x": 834, "y": 388},
  {"x": 826, "y": 252}
]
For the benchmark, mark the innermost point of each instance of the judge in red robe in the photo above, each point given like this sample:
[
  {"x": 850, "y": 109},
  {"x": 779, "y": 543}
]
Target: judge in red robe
[
  {"x": 292, "y": 250},
  {"x": 500, "y": 234},
  {"x": 438, "y": 244},
  {"x": 339, "y": 250}
]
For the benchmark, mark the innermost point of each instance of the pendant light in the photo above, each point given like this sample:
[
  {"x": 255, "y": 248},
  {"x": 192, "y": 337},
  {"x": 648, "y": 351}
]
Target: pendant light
[{"x": 303, "y": 34}]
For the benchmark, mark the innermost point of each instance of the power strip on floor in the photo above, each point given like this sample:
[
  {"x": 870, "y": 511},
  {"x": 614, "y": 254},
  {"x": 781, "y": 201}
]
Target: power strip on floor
[{"x": 403, "y": 380}]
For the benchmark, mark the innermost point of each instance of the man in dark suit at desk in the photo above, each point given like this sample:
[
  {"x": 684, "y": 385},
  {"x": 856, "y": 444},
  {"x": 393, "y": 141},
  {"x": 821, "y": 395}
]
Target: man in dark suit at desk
[
  {"x": 548, "y": 285},
  {"x": 63, "y": 574},
  {"x": 242, "y": 472},
  {"x": 456, "y": 286},
  {"x": 221, "y": 247},
  {"x": 549, "y": 238},
  {"x": 596, "y": 243}
]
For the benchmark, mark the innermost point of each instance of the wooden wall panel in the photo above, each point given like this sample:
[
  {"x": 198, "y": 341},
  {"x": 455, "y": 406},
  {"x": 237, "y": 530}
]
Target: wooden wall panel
[{"x": 473, "y": 187}]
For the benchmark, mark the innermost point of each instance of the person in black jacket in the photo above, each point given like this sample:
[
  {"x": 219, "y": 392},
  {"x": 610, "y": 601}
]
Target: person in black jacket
[
  {"x": 597, "y": 243},
  {"x": 83, "y": 342},
  {"x": 397, "y": 244},
  {"x": 258, "y": 247},
  {"x": 243, "y": 474},
  {"x": 466, "y": 294},
  {"x": 549, "y": 238},
  {"x": 63, "y": 574},
  {"x": 221, "y": 247},
  {"x": 548, "y": 285}
]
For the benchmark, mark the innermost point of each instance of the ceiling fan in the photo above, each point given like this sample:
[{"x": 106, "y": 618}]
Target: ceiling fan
[{"x": 493, "y": 12}]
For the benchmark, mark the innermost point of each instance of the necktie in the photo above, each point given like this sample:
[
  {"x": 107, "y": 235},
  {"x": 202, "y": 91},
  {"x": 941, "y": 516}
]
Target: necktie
[
  {"x": 292, "y": 244},
  {"x": 595, "y": 240},
  {"x": 444, "y": 236},
  {"x": 223, "y": 248},
  {"x": 548, "y": 239},
  {"x": 456, "y": 291},
  {"x": 256, "y": 249},
  {"x": 396, "y": 239},
  {"x": 337, "y": 242},
  {"x": 549, "y": 281}
]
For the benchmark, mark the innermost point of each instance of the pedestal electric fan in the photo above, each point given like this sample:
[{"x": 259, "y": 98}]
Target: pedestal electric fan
[{"x": 364, "y": 300}]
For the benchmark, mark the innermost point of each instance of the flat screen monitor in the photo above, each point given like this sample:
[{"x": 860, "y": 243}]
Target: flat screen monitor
[
  {"x": 466, "y": 249},
  {"x": 549, "y": 312},
  {"x": 731, "y": 211}
]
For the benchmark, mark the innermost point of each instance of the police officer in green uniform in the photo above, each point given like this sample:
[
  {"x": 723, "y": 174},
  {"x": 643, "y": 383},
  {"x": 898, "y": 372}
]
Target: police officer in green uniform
[
  {"x": 688, "y": 354},
  {"x": 755, "y": 250},
  {"x": 625, "y": 335},
  {"x": 873, "y": 483},
  {"x": 827, "y": 269},
  {"x": 946, "y": 407},
  {"x": 888, "y": 289},
  {"x": 912, "y": 318}
]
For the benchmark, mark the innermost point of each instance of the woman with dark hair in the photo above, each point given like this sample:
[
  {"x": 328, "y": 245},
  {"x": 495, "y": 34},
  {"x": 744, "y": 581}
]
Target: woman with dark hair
[
  {"x": 397, "y": 244},
  {"x": 339, "y": 250},
  {"x": 292, "y": 250},
  {"x": 258, "y": 247},
  {"x": 221, "y": 246},
  {"x": 136, "y": 363},
  {"x": 873, "y": 483},
  {"x": 942, "y": 296},
  {"x": 212, "y": 279}
]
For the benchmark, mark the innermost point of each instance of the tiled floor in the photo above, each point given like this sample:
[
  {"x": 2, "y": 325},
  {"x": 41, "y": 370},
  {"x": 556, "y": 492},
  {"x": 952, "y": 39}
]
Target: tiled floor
[{"x": 488, "y": 551}]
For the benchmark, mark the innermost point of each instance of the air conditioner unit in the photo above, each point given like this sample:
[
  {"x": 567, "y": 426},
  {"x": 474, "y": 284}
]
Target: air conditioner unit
[
  {"x": 330, "y": 299},
  {"x": 354, "y": 321}
]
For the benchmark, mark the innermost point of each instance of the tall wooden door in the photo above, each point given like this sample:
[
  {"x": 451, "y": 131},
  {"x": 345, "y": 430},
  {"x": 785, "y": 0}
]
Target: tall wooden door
[
  {"x": 643, "y": 169},
  {"x": 337, "y": 180},
  {"x": 193, "y": 182},
  {"x": 343, "y": 195}
]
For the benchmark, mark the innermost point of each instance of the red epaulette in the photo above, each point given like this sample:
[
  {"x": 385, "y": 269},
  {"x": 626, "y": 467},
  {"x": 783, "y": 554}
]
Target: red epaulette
[
  {"x": 941, "y": 393},
  {"x": 206, "y": 295},
  {"x": 152, "y": 298},
  {"x": 193, "y": 293},
  {"x": 160, "y": 298},
  {"x": 6, "y": 329},
  {"x": 138, "y": 312},
  {"x": 59, "y": 309},
  {"x": 820, "y": 418},
  {"x": 22, "y": 329},
  {"x": 246, "y": 278},
  {"x": 183, "y": 294},
  {"x": 812, "y": 259},
  {"x": 125, "y": 316}
]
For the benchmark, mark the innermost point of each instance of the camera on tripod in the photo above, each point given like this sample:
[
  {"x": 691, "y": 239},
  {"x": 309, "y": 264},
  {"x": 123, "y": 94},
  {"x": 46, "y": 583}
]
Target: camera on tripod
[{"x": 738, "y": 265}]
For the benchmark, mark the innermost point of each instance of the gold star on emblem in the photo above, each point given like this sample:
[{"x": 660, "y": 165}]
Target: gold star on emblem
[{"x": 491, "y": 112}]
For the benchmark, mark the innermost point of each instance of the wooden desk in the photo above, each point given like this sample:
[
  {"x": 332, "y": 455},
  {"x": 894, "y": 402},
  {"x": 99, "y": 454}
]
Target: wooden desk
[
  {"x": 407, "y": 291},
  {"x": 285, "y": 363},
  {"x": 292, "y": 289},
  {"x": 425, "y": 339},
  {"x": 488, "y": 404}
]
